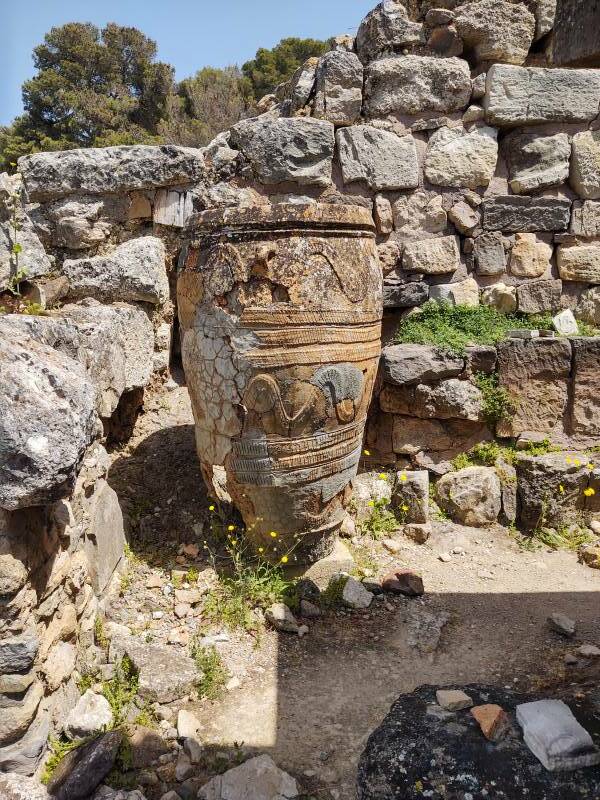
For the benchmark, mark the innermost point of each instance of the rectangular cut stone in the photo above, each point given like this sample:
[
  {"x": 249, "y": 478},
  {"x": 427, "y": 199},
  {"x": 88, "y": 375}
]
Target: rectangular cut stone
[
  {"x": 383, "y": 160},
  {"x": 576, "y": 40},
  {"x": 514, "y": 213},
  {"x": 432, "y": 256},
  {"x": 105, "y": 170},
  {"x": 489, "y": 254},
  {"x": 536, "y": 297},
  {"x": 534, "y": 95},
  {"x": 416, "y": 85},
  {"x": 535, "y": 373},
  {"x": 585, "y": 395},
  {"x": 339, "y": 87},
  {"x": 579, "y": 263},
  {"x": 585, "y": 220}
]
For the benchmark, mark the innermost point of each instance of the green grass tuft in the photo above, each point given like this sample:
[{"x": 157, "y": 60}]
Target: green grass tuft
[
  {"x": 453, "y": 328},
  {"x": 214, "y": 673}
]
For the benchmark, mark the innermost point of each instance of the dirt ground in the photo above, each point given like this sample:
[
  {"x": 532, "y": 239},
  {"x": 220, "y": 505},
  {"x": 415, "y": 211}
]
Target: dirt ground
[{"x": 312, "y": 702}]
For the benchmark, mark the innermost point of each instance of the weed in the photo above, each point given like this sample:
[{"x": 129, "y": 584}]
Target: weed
[
  {"x": 192, "y": 575},
  {"x": 85, "y": 682},
  {"x": 497, "y": 403},
  {"x": 436, "y": 512},
  {"x": 99, "y": 634},
  {"x": 381, "y": 520},
  {"x": 176, "y": 580},
  {"x": 566, "y": 537},
  {"x": 131, "y": 557},
  {"x": 214, "y": 674},
  {"x": 125, "y": 582},
  {"x": 453, "y": 328},
  {"x": 59, "y": 748},
  {"x": 121, "y": 689},
  {"x": 332, "y": 596},
  {"x": 585, "y": 329},
  {"x": 539, "y": 448},
  {"x": 147, "y": 717}
]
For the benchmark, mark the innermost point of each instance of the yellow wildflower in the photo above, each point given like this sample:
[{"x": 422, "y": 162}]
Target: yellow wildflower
[
  {"x": 403, "y": 477},
  {"x": 371, "y": 503},
  {"x": 211, "y": 508},
  {"x": 284, "y": 559},
  {"x": 261, "y": 549},
  {"x": 568, "y": 459},
  {"x": 577, "y": 462},
  {"x": 367, "y": 452},
  {"x": 273, "y": 534},
  {"x": 589, "y": 492},
  {"x": 383, "y": 476},
  {"x": 561, "y": 489},
  {"x": 231, "y": 527},
  {"x": 590, "y": 465},
  {"x": 405, "y": 507}
]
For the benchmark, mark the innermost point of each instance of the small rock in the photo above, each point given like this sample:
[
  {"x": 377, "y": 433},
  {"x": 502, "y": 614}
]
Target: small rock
[
  {"x": 562, "y": 624},
  {"x": 418, "y": 532},
  {"x": 303, "y": 630},
  {"x": 91, "y": 715},
  {"x": 257, "y": 779},
  {"x": 154, "y": 582},
  {"x": 403, "y": 581},
  {"x": 445, "y": 557},
  {"x": 183, "y": 768},
  {"x": 281, "y": 618},
  {"x": 191, "y": 550},
  {"x": 453, "y": 699},
  {"x": 392, "y": 545},
  {"x": 589, "y": 651},
  {"x": 595, "y": 526},
  {"x": 194, "y": 750},
  {"x": 309, "y": 610},
  {"x": 570, "y": 660},
  {"x": 187, "y": 724},
  {"x": 181, "y": 610},
  {"x": 565, "y": 323},
  {"x": 232, "y": 684},
  {"x": 493, "y": 721},
  {"x": 354, "y": 594}
]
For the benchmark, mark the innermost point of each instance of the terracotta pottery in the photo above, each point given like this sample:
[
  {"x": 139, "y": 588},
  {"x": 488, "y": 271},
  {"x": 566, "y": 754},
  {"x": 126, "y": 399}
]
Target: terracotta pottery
[{"x": 280, "y": 310}]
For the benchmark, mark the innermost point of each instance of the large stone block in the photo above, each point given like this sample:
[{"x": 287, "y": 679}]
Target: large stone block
[
  {"x": 534, "y": 95},
  {"x": 17, "y": 717},
  {"x": 417, "y": 363},
  {"x": 585, "y": 219},
  {"x": 339, "y": 88},
  {"x": 536, "y": 162},
  {"x": 448, "y": 399},
  {"x": 23, "y": 757},
  {"x": 588, "y": 306},
  {"x": 529, "y": 257},
  {"x": 416, "y": 85},
  {"x": 405, "y": 295},
  {"x": 550, "y": 488},
  {"x": 383, "y": 160},
  {"x": 134, "y": 271},
  {"x": 490, "y": 257},
  {"x": 535, "y": 373},
  {"x": 32, "y": 258},
  {"x": 116, "y": 346},
  {"x": 537, "y": 297},
  {"x": 47, "y": 420},
  {"x": 105, "y": 538},
  {"x": 579, "y": 263},
  {"x": 104, "y": 170},
  {"x": 576, "y": 33},
  {"x": 513, "y": 214},
  {"x": 432, "y": 256},
  {"x": 471, "y": 496},
  {"x": 298, "y": 149},
  {"x": 585, "y": 164},
  {"x": 386, "y": 29},
  {"x": 457, "y": 158},
  {"x": 496, "y": 30},
  {"x": 585, "y": 395}
]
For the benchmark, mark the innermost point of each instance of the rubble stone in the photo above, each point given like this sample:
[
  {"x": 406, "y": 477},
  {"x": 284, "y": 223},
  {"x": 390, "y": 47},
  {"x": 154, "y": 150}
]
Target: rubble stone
[
  {"x": 339, "y": 86},
  {"x": 579, "y": 263},
  {"x": 462, "y": 159},
  {"x": 536, "y": 297},
  {"x": 258, "y": 778},
  {"x": 536, "y": 162},
  {"x": 432, "y": 256},
  {"x": 515, "y": 214},
  {"x": 585, "y": 164},
  {"x": 471, "y": 496},
  {"x": 496, "y": 30},
  {"x": 529, "y": 258},
  {"x": 489, "y": 254},
  {"x": 386, "y": 29},
  {"x": 383, "y": 160},
  {"x": 417, "y": 363},
  {"x": 298, "y": 149},
  {"x": 416, "y": 85}
]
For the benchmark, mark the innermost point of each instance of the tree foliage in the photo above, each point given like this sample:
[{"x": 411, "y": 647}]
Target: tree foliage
[
  {"x": 206, "y": 104},
  {"x": 92, "y": 88},
  {"x": 269, "y": 68}
]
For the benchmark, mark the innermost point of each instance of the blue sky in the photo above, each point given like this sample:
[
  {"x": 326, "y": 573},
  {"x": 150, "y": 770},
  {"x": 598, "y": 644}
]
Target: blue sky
[{"x": 190, "y": 33}]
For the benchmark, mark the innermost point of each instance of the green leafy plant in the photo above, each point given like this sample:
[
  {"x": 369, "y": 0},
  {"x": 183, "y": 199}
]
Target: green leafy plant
[
  {"x": 99, "y": 634},
  {"x": 497, "y": 402},
  {"x": 59, "y": 748},
  {"x": 121, "y": 690},
  {"x": 381, "y": 520},
  {"x": 214, "y": 674},
  {"x": 453, "y": 328},
  {"x": 192, "y": 575}
]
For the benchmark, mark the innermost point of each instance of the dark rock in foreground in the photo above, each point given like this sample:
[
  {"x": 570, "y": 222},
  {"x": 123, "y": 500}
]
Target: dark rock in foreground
[
  {"x": 84, "y": 768},
  {"x": 443, "y": 755}
]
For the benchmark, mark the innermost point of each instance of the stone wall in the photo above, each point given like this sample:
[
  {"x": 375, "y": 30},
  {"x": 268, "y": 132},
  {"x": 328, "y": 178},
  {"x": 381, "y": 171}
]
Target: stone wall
[{"x": 479, "y": 159}]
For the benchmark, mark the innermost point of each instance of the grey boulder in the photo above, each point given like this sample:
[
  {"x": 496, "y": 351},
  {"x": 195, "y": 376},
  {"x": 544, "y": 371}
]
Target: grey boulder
[
  {"x": 496, "y": 30},
  {"x": 383, "y": 160},
  {"x": 85, "y": 767},
  {"x": 134, "y": 271},
  {"x": 339, "y": 87},
  {"x": 386, "y": 29},
  {"x": 257, "y": 779},
  {"x": 471, "y": 496},
  {"x": 90, "y": 716},
  {"x": 298, "y": 149},
  {"x": 416, "y": 363},
  {"x": 47, "y": 420},
  {"x": 103, "y": 170}
]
